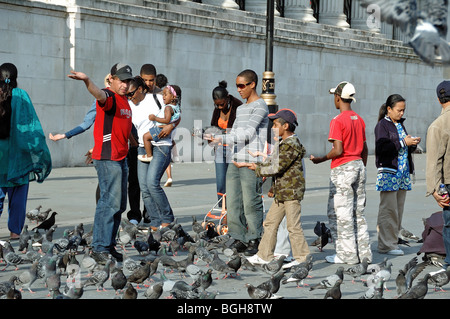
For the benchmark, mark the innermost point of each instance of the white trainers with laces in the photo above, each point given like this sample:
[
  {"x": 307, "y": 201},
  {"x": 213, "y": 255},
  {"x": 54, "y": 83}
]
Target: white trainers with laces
[{"x": 256, "y": 260}]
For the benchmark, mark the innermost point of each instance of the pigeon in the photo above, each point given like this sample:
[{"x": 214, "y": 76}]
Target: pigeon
[
  {"x": 46, "y": 224},
  {"x": 273, "y": 284},
  {"x": 183, "y": 263},
  {"x": 99, "y": 277},
  {"x": 439, "y": 278},
  {"x": 204, "y": 280},
  {"x": 130, "y": 292},
  {"x": 299, "y": 274},
  {"x": 129, "y": 263},
  {"x": 335, "y": 291},
  {"x": 27, "y": 277},
  {"x": 196, "y": 226},
  {"x": 73, "y": 266},
  {"x": 374, "y": 268},
  {"x": 13, "y": 294},
  {"x": 194, "y": 271},
  {"x": 32, "y": 214},
  {"x": 414, "y": 271},
  {"x": 5, "y": 286},
  {"x": 407, "y": 235},
  {"x": 204, "y": 254},
  {"x": 384, "y": 274},
  {"x": 118, "y": 279},
  {"x": 154, "y": 292},
  {"x": 139, "y": 275},
  {"x": 357, "y": 270},
  {"x": 235, "y": 263},
  {"x": 221, "y": 266},
  {"x": 24, "y": 239},
  {"x": 274, "y": 265},
  {"x": 167, "y": 283},
  {"x": 153, "y": 244},
  {"x": 142, "y": 247},
  {"x": 405, "y": 276},
  {"x": 330, "y": 280},
  {"x": 53, "y": 283},
  {"x": 259, "y": 293},
  {"x": 425, "y": 25},
  {"x": 88, "y": 263},
  {"x": 73, "y": 292},
  {"x": 376, "y": 290},
  {"x": 417, "y": 291},
  {"x": 41, "y": 216},
  {"x": 10, "y": 256}
]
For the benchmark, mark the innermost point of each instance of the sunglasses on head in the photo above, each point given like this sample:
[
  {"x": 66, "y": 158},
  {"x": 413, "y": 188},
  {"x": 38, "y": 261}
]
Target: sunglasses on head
[
  {"x": 243, "y": 86},
  {"x": 131, "y": 94}
]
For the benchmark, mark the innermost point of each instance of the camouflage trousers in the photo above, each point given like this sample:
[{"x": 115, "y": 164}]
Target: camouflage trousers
[{"x": 346, "y": 204}]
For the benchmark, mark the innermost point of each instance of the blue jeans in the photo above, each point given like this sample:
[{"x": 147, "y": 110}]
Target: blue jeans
[
  {"x": 113, "y": 183},
  {"x": 153, "y": 196},
  {"x": 446, "y": 232},
  {"x": 17, "y": 199},
  {"x": 244, "y": 204},
  {"x": 221, "y": 166}
]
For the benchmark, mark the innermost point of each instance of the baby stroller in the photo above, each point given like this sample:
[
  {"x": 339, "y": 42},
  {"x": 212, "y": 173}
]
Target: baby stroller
[{"x": 217, "y": 216}]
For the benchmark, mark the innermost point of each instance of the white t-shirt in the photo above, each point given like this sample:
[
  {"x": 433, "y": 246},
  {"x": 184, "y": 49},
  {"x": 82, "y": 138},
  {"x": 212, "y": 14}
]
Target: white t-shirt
[{"x": 140, "y": 119}]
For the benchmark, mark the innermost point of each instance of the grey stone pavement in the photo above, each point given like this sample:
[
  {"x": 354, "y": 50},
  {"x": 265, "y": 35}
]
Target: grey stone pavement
[{"x": 71, "y": 193}]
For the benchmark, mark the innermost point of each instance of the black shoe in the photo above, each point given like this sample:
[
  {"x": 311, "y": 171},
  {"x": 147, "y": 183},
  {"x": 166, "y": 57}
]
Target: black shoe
[
  {"x": 117, "y": 256},
  {"x": 240, "y": 246},
  {"x": 252, "y": 247},
  {"x": 101, "y": 257}
]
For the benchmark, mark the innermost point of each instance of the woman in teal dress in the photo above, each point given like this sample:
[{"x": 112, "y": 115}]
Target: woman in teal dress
[
  {"x": 24, "y": 155},
  {"x": 393, "y": 156}
]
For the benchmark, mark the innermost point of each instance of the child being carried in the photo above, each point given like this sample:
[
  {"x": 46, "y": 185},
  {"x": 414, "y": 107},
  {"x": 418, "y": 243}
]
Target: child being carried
[{"x": 168, "y": 115}]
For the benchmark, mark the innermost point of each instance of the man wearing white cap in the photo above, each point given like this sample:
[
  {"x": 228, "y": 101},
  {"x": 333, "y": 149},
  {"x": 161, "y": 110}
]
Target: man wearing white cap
[{"x": 347, "y": 180}]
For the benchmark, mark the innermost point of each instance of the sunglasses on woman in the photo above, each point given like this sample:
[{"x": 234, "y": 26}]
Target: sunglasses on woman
[
  {"x": 131, "y": 94},
  {"x": 243, "y": 86}
]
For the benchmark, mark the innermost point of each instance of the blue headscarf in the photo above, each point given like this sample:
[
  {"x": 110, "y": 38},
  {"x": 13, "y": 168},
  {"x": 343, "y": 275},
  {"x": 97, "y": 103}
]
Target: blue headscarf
[{"x": 24, "y": 155}]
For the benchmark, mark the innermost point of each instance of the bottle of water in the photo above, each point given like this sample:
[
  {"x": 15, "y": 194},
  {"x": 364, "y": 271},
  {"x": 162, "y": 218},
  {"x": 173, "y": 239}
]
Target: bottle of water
[{"x": 443, "y": 190}]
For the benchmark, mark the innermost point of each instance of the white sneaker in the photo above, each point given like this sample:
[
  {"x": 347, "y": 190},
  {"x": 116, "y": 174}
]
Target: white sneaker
[
  {"x": 395, "y": 252},
  {"x": 256, "y": 260},
  {"x": 334, "y": 259},
  {"x": 291, "y": 264}
]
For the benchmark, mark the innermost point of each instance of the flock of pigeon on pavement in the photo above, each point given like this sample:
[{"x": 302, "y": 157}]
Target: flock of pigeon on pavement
[{"x": 174, "y": 263}]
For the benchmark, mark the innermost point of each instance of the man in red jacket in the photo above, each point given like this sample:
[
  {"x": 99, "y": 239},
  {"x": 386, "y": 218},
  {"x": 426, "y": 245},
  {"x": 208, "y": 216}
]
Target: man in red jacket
[{"x": 112, "y": 129}]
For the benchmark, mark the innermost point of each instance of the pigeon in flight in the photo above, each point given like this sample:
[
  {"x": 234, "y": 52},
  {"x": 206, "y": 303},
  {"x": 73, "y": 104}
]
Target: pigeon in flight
[{"x": 425, "y": 22}]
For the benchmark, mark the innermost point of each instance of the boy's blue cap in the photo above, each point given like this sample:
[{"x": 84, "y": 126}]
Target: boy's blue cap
[{"x": 286, "y": 114}]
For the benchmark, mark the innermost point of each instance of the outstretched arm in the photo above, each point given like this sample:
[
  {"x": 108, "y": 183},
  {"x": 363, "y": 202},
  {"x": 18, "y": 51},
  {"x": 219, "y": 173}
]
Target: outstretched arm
[{"x": 96, "y": 92}]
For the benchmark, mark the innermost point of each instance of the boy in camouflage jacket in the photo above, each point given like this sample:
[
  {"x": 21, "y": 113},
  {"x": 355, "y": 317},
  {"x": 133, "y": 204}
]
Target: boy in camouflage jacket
[{"x": 285, "y": 165}]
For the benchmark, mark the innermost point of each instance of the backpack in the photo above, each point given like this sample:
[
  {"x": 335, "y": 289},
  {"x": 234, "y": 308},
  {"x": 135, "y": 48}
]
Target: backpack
[{"x": 433, "y": 240}]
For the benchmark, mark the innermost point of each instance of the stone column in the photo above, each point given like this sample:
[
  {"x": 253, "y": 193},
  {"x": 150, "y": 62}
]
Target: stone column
[
  {"x": 229, "y": 4},
  {"x": 299, "y": 10},
  {"x": 258, "y": 6},
  {"x": 331, "y": 12},
  {"x": 364, "y": 18}
]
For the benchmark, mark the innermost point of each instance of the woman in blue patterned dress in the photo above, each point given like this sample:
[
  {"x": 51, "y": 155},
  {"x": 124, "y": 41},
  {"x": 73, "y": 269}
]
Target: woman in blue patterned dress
[{"x": 393, "y": 155}]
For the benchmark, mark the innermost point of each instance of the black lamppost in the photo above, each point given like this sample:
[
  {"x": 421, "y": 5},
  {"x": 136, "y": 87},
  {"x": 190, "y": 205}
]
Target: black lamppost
[{"x": 268, "y": 82}]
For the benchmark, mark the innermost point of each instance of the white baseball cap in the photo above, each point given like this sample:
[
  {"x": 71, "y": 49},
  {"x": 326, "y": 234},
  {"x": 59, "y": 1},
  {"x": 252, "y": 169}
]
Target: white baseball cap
[{"x": 345, "y": 90}]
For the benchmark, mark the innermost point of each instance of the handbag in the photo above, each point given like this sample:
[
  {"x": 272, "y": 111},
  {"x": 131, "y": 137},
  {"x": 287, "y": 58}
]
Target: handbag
[{"x": 154, "y": 132}]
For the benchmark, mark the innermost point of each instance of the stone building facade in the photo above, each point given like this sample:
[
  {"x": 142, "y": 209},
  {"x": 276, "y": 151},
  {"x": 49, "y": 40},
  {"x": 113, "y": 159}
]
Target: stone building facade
[{"x": 196, "y": 44}]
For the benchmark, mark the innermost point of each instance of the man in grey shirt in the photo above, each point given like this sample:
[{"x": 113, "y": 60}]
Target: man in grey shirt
[{"x": 244, "y": 188}]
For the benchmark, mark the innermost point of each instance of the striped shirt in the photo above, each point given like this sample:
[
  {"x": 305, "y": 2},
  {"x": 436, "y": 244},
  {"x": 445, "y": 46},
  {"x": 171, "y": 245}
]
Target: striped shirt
[{"x": 249, "y": 131}]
